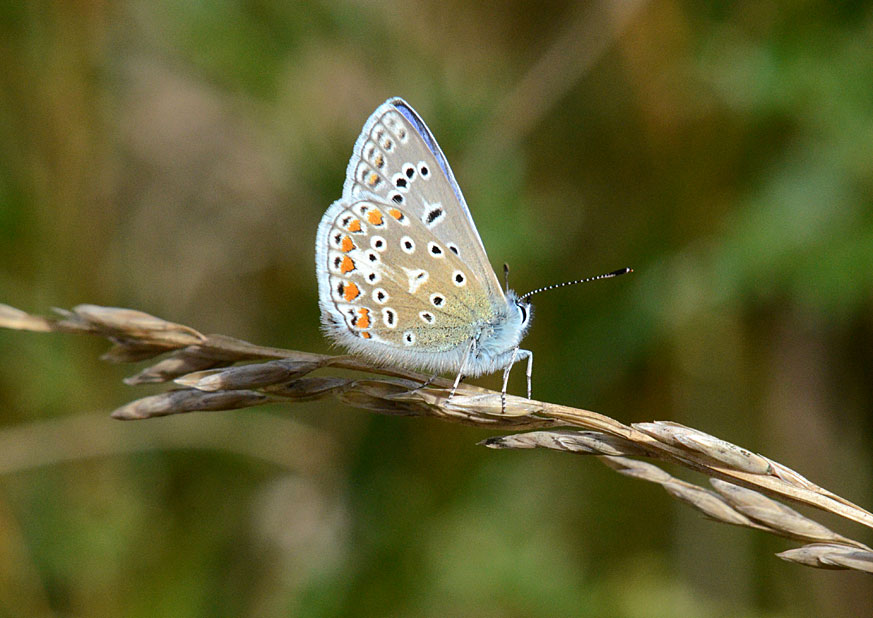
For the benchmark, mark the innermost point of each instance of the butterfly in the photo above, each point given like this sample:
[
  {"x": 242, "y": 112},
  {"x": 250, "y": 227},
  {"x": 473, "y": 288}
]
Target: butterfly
[{"x": 403, "y": 277}]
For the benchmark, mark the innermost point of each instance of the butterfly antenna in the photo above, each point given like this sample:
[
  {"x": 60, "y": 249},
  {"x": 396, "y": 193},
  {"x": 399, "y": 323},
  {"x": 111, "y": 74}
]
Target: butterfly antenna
[
  {"x": 506, "y": 276},
  {"x": 615, "y": 273}
]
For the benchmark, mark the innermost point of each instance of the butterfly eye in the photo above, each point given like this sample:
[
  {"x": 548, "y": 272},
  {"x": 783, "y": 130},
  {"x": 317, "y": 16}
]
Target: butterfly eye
[{"x": 524, "y": 314}]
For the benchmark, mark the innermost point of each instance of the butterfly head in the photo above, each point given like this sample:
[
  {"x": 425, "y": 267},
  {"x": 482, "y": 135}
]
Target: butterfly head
[
  {"x": 523, "y": 309},
  {"x": 507, "y": 330}
]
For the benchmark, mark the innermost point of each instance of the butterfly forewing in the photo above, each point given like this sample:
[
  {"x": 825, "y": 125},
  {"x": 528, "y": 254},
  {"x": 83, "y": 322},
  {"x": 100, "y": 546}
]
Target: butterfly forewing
[{"x": 397, "y": 159}]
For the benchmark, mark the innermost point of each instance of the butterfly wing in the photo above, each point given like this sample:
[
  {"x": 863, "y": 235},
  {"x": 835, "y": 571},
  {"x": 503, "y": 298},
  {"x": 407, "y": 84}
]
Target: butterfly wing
[
  {"x": 390, "y": 290},
  {"x": 397, "y": 159}
]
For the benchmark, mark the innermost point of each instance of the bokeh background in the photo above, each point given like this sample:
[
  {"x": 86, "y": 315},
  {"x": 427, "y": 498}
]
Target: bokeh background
[{"x": 176, "y": 157}]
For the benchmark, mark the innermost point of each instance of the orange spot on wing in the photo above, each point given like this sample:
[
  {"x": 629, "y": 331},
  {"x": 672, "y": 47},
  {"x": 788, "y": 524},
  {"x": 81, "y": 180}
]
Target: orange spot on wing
[
  {"x": 348, "y": 265},
  {"x": 374, "y": 217},
  {"x": 396, "y": 214},
  {"x": 364, "y": 320},
  {"x": 365, "y": 335},
  {"x": 354, "y": 226},
  {"x": 347, "y": 244},
  {"x": 373, "y": 179},
  {"x": 351, "y": 292}
]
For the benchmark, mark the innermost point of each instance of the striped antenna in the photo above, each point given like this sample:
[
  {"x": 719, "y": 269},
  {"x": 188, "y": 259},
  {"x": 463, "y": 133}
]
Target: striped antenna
[{"x": 615, "y": 273}]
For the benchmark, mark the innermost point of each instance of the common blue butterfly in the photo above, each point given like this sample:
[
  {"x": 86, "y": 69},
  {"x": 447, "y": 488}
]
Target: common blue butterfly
[{"x": 403, "y": 278}]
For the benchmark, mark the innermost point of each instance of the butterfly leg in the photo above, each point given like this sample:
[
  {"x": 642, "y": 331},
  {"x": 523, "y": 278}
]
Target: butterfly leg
[
  {"x": 460, "y": 375},
  {"x": 527, "y": 353},
  {"x": 506, "y": 371},
  {"x": 425, "y": 384},
  {"x": 517, "y": 355}
]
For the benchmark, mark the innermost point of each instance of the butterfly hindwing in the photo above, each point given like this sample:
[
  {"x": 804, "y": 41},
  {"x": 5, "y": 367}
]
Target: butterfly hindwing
[{"x": 392, "y": 287}]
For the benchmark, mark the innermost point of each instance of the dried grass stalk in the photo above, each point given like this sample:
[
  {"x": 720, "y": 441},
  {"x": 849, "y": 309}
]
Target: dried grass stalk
[{"x": 746, "y": 485}]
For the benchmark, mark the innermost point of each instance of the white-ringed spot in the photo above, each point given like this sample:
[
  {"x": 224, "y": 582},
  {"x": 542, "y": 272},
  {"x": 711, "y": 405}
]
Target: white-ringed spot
[
  {"x": 434, "y": 215},
  {"x": 389, "y": 317},
  {"x": 437, "y": 300},
  {"x": 435, "y": 250},
  {"x": 423, "y": 170},
  {"x": 459, "y": 278},
  {"x": 372, "y": 256},
  {"x": 400, "y": 181},
  {"x": 407, "y": 245},
  {"x": 453, "y": 248},
  {"x": 378, "y": 243},
  {"x": 380, "y": 296},
  {"x": 426, "y": 317},
  {"x": 396, "y": 197},
  {"x": 409, "y": 338},
  {"x": 409, "y": 171},
  {"x": 373, "y": 277}
]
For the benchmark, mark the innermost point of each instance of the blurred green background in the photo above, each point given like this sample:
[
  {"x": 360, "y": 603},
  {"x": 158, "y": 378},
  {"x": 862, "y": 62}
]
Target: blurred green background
[{"x": 176, "y": 157}]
